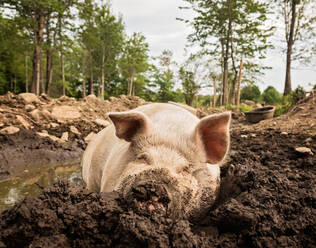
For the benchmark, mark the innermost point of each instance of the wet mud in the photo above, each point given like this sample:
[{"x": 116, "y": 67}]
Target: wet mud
[
  {"x": 26, "y": 148},
  {"x": 269, "y": 200}
]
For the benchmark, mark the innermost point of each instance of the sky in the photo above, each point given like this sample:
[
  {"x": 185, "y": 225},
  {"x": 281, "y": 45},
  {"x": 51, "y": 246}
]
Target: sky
[{"x": 156, "y": 20}]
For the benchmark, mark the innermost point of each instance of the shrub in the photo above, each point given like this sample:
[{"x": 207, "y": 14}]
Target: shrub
[
  {"x": 271, "y": 95},
  {"x": 289, "y": 100},
  {"x": 250, "y": 92},
  {"x": 242, "y": 108}
]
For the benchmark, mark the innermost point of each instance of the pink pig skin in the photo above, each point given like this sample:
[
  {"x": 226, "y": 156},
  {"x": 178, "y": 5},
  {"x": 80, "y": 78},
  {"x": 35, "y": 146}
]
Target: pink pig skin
[{"x": 162, "y": 145}]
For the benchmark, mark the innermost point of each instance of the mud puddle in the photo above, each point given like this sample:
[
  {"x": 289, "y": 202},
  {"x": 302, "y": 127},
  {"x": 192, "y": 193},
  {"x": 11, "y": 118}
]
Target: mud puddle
[{"x": 33, "y": 179}]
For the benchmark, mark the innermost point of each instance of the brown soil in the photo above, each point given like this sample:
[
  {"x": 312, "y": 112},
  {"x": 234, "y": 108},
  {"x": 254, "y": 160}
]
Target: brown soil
[
  {"x": 270, "y": 201},
  {"x": 26, "y": 147},
  {"x": 301, "y": 118}
]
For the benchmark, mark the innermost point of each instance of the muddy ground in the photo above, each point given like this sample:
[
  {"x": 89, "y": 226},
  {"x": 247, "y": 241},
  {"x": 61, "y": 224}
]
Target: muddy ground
[
  {"x": 269, "y": 202},
  {"x": 40, "y": 130}
]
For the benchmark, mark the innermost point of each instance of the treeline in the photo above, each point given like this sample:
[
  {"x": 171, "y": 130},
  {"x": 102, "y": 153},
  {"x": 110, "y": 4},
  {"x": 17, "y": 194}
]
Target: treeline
[
  {"x": 68, "y": 47},
  {"x": 79, "y": 47}
]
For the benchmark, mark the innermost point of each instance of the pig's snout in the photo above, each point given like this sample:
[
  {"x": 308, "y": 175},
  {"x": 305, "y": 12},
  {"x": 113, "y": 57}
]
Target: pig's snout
[
  {"x": 151, "y": 191},
  {"x": 150, "y": 197}
]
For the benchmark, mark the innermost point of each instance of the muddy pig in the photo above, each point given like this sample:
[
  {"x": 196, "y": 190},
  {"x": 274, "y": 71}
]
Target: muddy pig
[{"x": 160, "y": 157}]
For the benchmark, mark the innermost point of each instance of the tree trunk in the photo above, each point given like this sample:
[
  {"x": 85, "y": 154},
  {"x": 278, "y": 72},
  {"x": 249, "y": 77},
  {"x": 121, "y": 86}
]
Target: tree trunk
[
  {"x": 130, "y": 84},
  {"x": 62, "y": 70},
  {"x": 48, "y": 57},
  {"x": 239, "y": 82},
  {"x": 14, "y": 84},
  {"x": 83, "y": 75},
  {"x": 214, "y": 92},
  {"x": 290, "y": 42},
  {"x": 62, "y": 56},
  {"x": 42, "y": 84},
  {"x": 26, "y": 74},
  {"x": 37, "y": 52},
  {"x": 102, "y": 74},
  {"x": 226, "y": 55},
  {"x": 222, "y": 68},
  {"x": 91, "y": 74},
  {"x": 196, "y": 97}
]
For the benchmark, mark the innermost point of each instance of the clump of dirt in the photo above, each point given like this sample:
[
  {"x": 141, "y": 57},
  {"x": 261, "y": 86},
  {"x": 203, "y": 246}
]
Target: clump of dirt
[
  {"x": 269, "y": 201},
  {"x": 39, "y": 129}
]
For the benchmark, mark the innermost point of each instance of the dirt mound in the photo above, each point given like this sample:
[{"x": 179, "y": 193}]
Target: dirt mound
[
  {"x": 270, "y": 201},
  {"x": 301, "y": 118},
  {"x": 38, "y": 129}
]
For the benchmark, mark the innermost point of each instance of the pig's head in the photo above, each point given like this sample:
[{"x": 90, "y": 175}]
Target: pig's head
[{"x": 174, "y": 173}]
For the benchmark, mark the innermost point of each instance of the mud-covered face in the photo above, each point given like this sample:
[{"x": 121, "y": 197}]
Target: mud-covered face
[
  {"x": 172, "y": 170},
  {"x": 161, "y": 180}
]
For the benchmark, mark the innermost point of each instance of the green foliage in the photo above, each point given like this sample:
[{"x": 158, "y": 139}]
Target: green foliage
[
  {"x": 134, "y": 59},
  {"x": 271, "y": 96},
  {"x": 231, "y": 30},
  {"x": 241, "y": 108},
  {"x": 289, "y": 100},
  {"x": 189, "y": 85},
  {"x": 205, "y": 101},
  {"x": 250, "y": 92}
]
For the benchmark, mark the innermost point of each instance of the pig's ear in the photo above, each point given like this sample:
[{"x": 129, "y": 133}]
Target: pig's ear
[
  {"x": 212, "y": 135},
  {"x": 131, "y": 123}
]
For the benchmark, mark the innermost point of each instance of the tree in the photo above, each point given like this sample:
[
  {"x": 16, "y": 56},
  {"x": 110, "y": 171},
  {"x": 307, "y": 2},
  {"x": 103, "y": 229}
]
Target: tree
[
  {"x": 189, "y": 86},
  {"x": 134, "y": 59},
  {"x": 234, "y": 29},
  {"x": 15, "y": 48},
  {"x": 164, "y": 77},
  {"x": 110, "y": 40},
  {"x": 250, "y": 92},
  {"x": 271, "y": 96},
  {"x": 300, "y": 25}
]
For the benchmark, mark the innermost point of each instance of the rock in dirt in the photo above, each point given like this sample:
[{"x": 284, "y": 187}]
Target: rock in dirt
[
  {"x": 74, "y": 130},
  {"x": 46, "y": 114},
  {"x": 64, "y": 137},
  {"x": 304, "y": 150},
  {"x": 25, "y": 123},
  {"x": 101, "y": 122},
  {"x": 54, "y": 125},
  {"x": 29, "y": 107},
  {"x": 45, "y": 134},
  {"x": 36, "y": 115},
  {"x": 29, "y": 98},
  {"x": 9, "y": 130},
  {"x": 62, "y": 113}
]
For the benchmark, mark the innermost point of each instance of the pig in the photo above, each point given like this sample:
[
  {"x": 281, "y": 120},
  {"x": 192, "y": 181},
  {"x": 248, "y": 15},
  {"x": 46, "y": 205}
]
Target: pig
[{"x": 162, "y": 154}]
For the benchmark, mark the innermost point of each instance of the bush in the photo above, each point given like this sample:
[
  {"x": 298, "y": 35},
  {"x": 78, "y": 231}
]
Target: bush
[
  {"x": 242, "y": 108},
  {"x": 290, "y": 100},
  {"x": 250, "y": 92},
  {"x": 271, "y": 96}
]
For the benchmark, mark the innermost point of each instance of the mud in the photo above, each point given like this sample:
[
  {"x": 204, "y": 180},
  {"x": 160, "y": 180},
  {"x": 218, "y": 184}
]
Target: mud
[
  {"x": 26, "y": 148},
  {"x": 269, "y": 201}
]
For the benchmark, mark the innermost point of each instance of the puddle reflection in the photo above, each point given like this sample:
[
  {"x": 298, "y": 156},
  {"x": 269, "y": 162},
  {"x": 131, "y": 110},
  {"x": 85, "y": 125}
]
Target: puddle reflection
[{"x": 15, "y": 189}]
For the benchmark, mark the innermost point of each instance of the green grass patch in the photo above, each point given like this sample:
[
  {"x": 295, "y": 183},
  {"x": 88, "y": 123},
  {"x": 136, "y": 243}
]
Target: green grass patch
[{"x": 241, "y": 108}]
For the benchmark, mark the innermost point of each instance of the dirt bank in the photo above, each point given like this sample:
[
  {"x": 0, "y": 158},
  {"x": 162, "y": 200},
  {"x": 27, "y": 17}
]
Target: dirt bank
[
  {"x": 269, "y": 202},
  {"x": 37, "y": 130}
]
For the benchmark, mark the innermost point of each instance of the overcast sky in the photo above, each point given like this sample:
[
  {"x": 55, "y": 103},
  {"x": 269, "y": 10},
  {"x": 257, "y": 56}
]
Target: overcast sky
[{"x": 156, "y": 20}]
